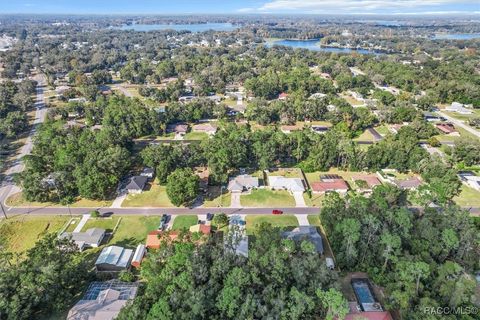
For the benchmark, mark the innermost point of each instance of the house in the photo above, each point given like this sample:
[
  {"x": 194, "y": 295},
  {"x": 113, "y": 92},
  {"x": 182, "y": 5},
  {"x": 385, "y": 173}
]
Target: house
[
  {"x": 62, "y": 89},
  {"x": 320, "y": 129},
  {"x": 179, "y": 128},
  {"x": 305, "y": 233},
  {"x": 114, "y": 259},
  {"x": 282, "y": 183},
  {"x": 330, "y": 183},
  {"x": 447, "y": 128},
  {"x": 88, "y": 239},
  {"x": 186, "y": 98},
  {"x": 458, "y": 108},
  {"x": 410, "y": 183},
  {"x": 317, "y": 95},
  {"x": 147, "y": 172},
  {"x": 470, "y": 179},
  {"x": 153, "y": 238},
  {"x": 138, "y": 256},
  {"x": 136, "y": 184},
  {"x": 243, "y": 182},
  {"x": 207, "y": 128},
  {"x": 432, "y": 117},
  {"x": 103, "y": 300},
  {"x": 283, "y": 96},
  {"x": 366, "y": 183},
  {"x": 79, "y": 100},
  {"x": 395, "y": 127},
  {"x": 201, "y": 228}
]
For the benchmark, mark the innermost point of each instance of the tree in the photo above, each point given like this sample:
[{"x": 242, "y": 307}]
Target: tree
[
  {"x": 47, "y": 280},
  {"x": 182, "y": 186},
  {"x": 335, "y": 304},
  {"x": 221, "y": 220}
]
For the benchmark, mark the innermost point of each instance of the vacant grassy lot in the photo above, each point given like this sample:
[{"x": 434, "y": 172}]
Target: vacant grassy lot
[
  {"x": 196, "y": 136},
  {"x": 315, "y": 200},
  {"x": 133, "y": 230},
  {"x": 383, "y": 130},
  {"x": 286, "y": 172},
  {"x": 104, "y": 223},
  {"x": 17, "y": 200},
  {"x": 365, "y": 136},
  {"x": 268, "y": 198},
  {"x": 184, "y": 222},
  {"x": 346, "y": 175},
  {"x": 468, "y": 197},
  {"x": 285, "y": 221},
  {"x": 155, "y": 195},
  {"x": 20, "y": 233},
  {"x": 223, "y": 200}
]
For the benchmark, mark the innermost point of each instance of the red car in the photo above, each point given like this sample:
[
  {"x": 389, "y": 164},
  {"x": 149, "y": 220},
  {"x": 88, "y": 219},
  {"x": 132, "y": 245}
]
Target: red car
[{"x": 277, "y": 212}]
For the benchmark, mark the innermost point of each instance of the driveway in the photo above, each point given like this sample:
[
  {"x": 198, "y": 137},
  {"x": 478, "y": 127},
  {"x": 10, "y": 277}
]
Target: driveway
[
  {"x": 235, "y": 200},
  {"x": 81, "y": 223},
  {"x": 302, "y": 219},
  {"x": 117, "y": 203},
  {"x": 299, "y": 200},
  {"x": 460, "y": 124}
]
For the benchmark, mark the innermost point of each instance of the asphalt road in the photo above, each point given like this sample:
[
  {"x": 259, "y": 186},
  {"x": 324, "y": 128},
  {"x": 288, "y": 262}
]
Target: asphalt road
[{"x": 8, "y": 187}]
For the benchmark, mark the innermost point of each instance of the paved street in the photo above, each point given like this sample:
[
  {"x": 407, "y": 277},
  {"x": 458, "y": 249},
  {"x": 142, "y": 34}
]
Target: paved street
[{"x": 8, "y": 187}]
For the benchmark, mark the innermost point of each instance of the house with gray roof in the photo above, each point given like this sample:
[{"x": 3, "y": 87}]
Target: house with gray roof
[
  {"x": 306, "y": 233},
  {"x": 281, "y": 183},
  {"x": 103, "y": 300},
  {"x": 88, "y": 239},
  {"x": 243, "y": 182},
  {"x": 114, "y": 258},
  {"x": 136, "y": 184}
]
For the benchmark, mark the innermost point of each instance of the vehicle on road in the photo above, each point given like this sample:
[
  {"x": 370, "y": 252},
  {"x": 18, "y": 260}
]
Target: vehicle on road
[{"x": 277, "y": 211}]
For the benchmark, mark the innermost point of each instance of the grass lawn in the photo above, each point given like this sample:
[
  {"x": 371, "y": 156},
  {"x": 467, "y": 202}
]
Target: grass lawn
[
  {"x": 154, "y": 195},
  {"x": 365, "y": 136},
  {"x": 196, "y": 136},
  {"x": 20, "y": 233},
  {"x": 218, "y": 200},
  {"x": 268, "y": 198},
  {"x": 315, "y": 200},
  {"x": 184, "y": 222},
  {"x": 347, "y": 175},
  {"x": 17, "y": 200},
  {"x": 133, "y": 230},
  {"x": 468, "y": 197},
  {"x": 286, "y": 172},
  {"x": 314, "y": 220},
  {"x": 104, "y": 223},
  {"x": 383, "y": 130},
  {"x": 285, "y": 221}
]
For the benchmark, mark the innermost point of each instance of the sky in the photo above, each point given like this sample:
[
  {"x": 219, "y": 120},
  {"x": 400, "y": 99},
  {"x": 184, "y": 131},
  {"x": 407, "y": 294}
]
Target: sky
[{"x": 241, "y": 6}]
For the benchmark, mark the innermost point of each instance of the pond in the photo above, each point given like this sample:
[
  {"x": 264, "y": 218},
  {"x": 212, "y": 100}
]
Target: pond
[
  {"x": 456, "y": 36},
  {"x": 314, "y": 45},
  {"x": 198, "y": 27}
]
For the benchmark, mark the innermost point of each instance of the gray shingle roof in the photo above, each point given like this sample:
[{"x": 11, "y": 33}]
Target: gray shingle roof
[{"x": 137, "y": 183}]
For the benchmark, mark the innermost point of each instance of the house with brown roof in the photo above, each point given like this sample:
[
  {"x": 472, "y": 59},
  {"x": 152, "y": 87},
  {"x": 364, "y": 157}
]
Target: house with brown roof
[
  {"x": 447, "y": 128},
  {"x": 410, "y": 183},
  {"x": 283, "y": 96},
  {"x": 330, "y": 183},
  {"x": 178, "y": 128},
  {"x": 366, "y": 183},
  {"x": 206, "y": 127},
  {"x": 201, "y": 228},
  {"x": 153, "y": 238}
]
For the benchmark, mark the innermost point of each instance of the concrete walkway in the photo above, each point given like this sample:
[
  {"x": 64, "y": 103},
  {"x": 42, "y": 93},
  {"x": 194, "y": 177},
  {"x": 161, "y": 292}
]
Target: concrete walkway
[
  {"x": 235, "y": 200},
  {"x": 302, "y": 219},
  {"x": 117, "y": 203},
  {"x": 299, "y": 200},
  {"x": 82, "y": 223}
]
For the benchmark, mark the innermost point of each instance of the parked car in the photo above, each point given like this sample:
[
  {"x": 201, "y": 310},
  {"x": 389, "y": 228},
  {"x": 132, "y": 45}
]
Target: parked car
[
  {"x": 163, "y": 222},
  {"x": 330, "y": 263},
  {"x": 210, "y": 216},
  {"x": 277, "y": 211}
]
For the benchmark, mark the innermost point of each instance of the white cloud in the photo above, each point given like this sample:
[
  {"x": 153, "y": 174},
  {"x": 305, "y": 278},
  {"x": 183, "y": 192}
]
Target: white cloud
[{"x": 359, "y": 6}]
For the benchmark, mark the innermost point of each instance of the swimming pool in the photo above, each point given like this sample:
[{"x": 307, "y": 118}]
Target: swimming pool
[{"x": 364, "y": 295}]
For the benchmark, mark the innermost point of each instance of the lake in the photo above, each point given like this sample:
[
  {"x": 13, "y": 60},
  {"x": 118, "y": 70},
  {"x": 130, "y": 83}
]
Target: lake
[
  {"x": 456, "y": 36},
  {"x": 314, "y": 45},
  {"x": 199, "y": 27}
]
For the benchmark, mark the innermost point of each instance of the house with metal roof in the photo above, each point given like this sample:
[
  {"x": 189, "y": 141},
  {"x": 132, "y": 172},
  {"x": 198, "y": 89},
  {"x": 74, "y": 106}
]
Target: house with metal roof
[
  {"x": 88, "y": 239},
  {"x": 114, "y": 258},
  {"x": 282, "y": 183},
  {"x": 139, "y": 255}
]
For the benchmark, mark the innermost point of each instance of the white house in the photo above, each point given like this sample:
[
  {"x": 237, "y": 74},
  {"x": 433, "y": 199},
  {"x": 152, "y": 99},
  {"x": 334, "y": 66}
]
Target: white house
[
  {"x": 458, "y": 108},
  {"x": 282, "y": 183}
]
